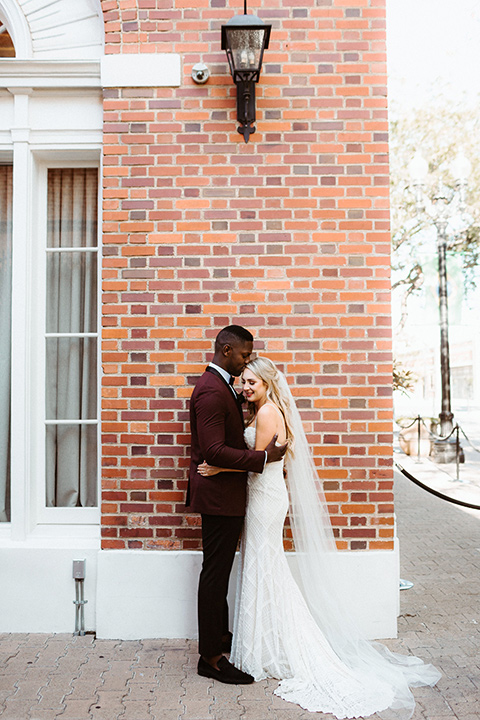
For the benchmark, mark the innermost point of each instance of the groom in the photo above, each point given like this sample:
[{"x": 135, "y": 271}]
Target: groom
[{"x": 216, "y": 422}]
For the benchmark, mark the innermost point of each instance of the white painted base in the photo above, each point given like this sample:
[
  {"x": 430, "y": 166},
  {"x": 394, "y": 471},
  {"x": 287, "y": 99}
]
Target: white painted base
[
  {"x": 38, "y": 589},
  {"x": 133, "y": 594},
  {"x": 148, "y": 595}
]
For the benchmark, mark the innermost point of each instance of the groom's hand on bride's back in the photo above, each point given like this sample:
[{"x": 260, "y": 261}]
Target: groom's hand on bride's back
[{"x": 275, "y": 452}]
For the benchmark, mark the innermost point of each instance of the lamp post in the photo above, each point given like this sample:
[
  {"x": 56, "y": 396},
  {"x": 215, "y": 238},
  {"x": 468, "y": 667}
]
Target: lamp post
[
  {"x": 244, "y": 39},
  {"x": 441, "y": 209}
]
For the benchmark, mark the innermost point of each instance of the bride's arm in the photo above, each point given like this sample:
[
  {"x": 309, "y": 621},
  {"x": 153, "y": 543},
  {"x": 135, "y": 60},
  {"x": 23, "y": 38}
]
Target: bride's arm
[
  {"x": 267, "y": 426},
  {"x": 267, "y": 429},
  {"x": 207, "y": 470}
]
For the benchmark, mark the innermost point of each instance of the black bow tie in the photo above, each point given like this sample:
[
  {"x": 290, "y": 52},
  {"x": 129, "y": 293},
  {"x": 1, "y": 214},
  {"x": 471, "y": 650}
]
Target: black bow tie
[{"x": 231, "y": 381}]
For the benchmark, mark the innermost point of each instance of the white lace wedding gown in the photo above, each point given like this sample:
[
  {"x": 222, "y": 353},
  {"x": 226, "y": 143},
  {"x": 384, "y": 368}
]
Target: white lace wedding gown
[{"x": 274, "y": 632}]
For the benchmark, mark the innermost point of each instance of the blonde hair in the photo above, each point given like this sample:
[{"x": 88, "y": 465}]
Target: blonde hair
[{"x": 267, "y": 371}]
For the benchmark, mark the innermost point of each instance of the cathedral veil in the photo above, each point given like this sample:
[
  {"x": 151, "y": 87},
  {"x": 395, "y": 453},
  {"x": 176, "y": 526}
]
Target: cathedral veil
[{"x": 317, "y": 555}]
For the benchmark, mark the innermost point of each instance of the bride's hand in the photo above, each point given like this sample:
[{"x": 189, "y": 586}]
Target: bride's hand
[{"x": 206, "y": 470}]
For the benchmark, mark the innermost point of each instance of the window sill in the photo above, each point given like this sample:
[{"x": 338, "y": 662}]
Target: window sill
[{"x": 52, "y": 536}]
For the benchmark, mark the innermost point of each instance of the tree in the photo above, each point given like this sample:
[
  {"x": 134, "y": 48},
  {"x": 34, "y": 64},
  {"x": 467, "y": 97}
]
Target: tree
[
  {"x": 438, "y": 131},
  {"x": 403, "y": 380}
]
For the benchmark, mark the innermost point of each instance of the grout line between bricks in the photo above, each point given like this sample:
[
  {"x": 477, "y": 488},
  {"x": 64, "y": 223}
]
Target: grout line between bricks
[
  {"x": 127, "y": 688},
  {"x": 135, "y": 661},
  {"x": 183, "y": 686},
  {"x": 98, "y": 686},
  {"x": 3, "y": 705},
  {"x": 50, "y": 676},
  {"x": 87, "y": 660},
  {"x": 24, "y": 674}
]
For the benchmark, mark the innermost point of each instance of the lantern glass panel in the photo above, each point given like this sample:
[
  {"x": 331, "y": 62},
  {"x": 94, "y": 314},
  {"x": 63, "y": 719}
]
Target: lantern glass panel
[{"x": 246, "y": 46}]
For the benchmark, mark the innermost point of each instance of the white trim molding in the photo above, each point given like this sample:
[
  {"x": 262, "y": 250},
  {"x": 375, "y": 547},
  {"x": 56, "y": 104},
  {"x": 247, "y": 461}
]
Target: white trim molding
[
  {"x": 143, "y": 70},
  {"x": 53, "y": 74}
]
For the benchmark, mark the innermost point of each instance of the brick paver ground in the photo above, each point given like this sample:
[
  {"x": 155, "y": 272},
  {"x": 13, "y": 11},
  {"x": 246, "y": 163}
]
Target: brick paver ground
[{"x": 48, "y": 677}]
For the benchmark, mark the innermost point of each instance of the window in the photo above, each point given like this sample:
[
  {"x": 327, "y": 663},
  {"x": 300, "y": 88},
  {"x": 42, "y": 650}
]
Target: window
[
  {"x": 71, "y": 338},
  {"x": 5, "y": 336},
  {"x": 7, "y": 48},
  {"x": 57, "y": 422}
]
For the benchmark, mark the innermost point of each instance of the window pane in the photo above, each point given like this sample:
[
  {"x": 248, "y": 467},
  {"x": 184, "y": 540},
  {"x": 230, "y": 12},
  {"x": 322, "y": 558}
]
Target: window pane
[
  {"x": 71, "y": 363},
  {"x": 5, "y": 335},
  {"x": 7, "y": 48},
  {"x": 71, "y": 292},
  {"x": 72, "y": 207},
  {"x": 71, "y": 379},
  {"x": 71, "y": 466}
]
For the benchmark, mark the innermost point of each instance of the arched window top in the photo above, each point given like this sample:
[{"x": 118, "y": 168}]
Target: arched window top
[
  {"x": 52, "y": 31},
  {"x": 7, "y": 48},
  {"x": 16, "y": 31}
]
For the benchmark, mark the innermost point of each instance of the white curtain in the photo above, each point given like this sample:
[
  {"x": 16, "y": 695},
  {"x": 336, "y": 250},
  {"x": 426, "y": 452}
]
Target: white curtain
[
  {"x": 71, "y": 358},
  {"x": 5, "y": 335}
]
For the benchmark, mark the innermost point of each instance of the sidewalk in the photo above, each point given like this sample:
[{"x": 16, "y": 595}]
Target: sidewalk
[
  {"x": 48, "y": 677},
  {"x": 443, "y": 476}
]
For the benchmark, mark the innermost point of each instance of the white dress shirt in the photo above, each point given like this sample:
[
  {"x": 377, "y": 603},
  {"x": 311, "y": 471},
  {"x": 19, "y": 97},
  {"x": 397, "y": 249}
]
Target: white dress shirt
[{"x": 226, "y": 376}]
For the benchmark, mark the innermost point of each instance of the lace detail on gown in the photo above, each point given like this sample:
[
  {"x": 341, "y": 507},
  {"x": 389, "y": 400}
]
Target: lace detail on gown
[{"x": 274, "y": 633}]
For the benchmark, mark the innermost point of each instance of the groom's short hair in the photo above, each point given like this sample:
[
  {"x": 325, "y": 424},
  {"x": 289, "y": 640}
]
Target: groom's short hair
[{"x": 232, "y": 335}]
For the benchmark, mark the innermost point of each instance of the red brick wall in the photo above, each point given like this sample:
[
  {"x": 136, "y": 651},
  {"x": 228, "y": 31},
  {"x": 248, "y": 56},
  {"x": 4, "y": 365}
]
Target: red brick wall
[{"x": 288, "y": 236}]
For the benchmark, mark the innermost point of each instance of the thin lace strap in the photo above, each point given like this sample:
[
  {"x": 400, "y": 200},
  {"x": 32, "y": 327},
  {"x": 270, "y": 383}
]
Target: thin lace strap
[{"x": 281, "y": 415}]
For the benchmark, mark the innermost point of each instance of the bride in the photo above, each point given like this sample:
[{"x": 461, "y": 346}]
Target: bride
[{"x": 300, "y": 633}]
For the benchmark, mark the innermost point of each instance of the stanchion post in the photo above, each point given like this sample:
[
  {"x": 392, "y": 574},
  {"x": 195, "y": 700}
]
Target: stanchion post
[
  {"x": 457, "y": 449},
  {"x": 419, "y": 432}
]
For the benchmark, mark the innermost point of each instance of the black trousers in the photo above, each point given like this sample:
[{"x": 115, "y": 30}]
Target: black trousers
[{"x": 220, "y": 535}]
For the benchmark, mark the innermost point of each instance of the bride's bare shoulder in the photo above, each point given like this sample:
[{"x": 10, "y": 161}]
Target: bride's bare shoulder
[
  {"x": 268, "y": 409},
  {"x": 269, "y": 422},
  {"x": 268, "y": 414}
]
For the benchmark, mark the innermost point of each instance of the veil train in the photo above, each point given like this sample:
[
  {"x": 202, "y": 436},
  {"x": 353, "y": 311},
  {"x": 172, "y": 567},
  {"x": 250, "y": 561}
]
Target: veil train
[{"x": 316, "y": 554}]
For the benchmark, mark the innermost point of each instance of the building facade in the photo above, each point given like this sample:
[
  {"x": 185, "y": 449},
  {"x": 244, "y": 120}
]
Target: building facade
[{"x": 135, "y": 223}]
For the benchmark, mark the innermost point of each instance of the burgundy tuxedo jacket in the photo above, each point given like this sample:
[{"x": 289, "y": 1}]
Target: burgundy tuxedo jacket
[{"x": 216, "y": 423}]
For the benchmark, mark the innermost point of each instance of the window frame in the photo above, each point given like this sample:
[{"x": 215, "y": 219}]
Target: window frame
[
  {"x": 31, "y": 520},
  {"x": 59, "y": 515},
  {"x": 6, "y": 159}
]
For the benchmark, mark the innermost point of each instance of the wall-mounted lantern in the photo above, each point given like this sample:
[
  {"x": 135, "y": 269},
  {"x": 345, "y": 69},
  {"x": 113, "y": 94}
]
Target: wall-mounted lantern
[{"x": 244, "y": 38}]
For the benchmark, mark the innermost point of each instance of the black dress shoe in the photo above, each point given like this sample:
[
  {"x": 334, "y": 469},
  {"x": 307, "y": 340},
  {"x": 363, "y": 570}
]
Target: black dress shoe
[
  {"x": 227, "y": 643},
  {"x": 226, "y": 672}
]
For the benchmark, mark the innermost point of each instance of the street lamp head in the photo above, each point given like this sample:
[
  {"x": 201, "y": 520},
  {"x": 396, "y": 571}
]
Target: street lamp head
[
  {"x": 418, "y": 169},
  {"x": 461, "y": 167}
]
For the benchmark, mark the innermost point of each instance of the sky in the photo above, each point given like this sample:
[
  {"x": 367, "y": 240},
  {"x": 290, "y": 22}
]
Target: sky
[{"x": 433, "y": 46}]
